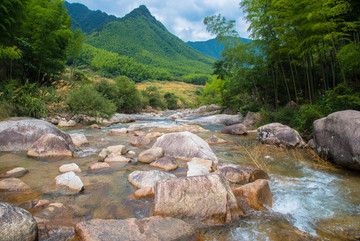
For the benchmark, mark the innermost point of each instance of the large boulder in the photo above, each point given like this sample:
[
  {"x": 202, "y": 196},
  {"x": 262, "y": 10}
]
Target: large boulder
[
  {"x": 221, "y": 119},
  {"x": 16, "y": 224},
  {"x": 280, "y": 135},
  {"x": 71, "y": 181},
  {"x": 239, "y": 174},
  {"x": 206, "y": 200},
  {"x": 209, "y": 108},
  {"x": 50, "y": 145},
  {"x": 147, "y": 229},
  {"x": 19, "y": 134},
  {"x": 121, "y": 118},
  {"x": 251, "y": 120},
  {"x": 185, "y": 146},
  {"x": 237, "y": 129},
  {"x": 142, "y": 179},
  {"x": 256, "y": 194},
  {"x": 337, "y": 137}
]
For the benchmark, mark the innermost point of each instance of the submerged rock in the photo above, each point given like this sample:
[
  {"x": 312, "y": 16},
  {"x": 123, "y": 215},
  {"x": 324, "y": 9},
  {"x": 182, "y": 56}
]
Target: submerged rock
[
  {"x": 144, "y": 192},
  {"x": 142, "y": 179},
  {"x": 337, "y": 137},
  {"x": 71, "y": 181},
  {"x": 13, "y": 184},
  {"x": 239, "y": 174},
  {"x": 280, "y": 135},
  {"x": 19, "y": 134},
  {"x": 151, "y": 155},
  {"x": 16, "y": 172},
  {"x": 206, "y": 200},
  {"x": 147, "y": 229},
  {"x": 166, "y": 163},
  {"x": 16, "y": 224},
  {"x": 237, "y": 129},
  {"x": 50, "y": 145},
  {"x": 99, "y": 166},
  {"x": 256, "y": 194},
  {"x": 185, "y": 146}
]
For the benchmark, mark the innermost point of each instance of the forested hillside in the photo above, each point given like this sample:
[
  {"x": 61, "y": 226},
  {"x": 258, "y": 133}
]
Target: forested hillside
[
  {"x": 140, "y": 36},
  {"x": 211, "y": 47}
]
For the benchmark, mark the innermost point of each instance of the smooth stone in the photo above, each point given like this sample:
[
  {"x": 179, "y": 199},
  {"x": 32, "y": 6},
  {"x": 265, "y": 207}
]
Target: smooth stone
[
  {"x": 71, "y": 181},
  {"x": 13, "y": 184},
  {"x": 118, "y": 131},
  {"x": 103, "y": 154},
  {"x": 118, "y": 149},
  {"x": 166, "y": 163},
  {"x": 65, "y": 123},
  {"x": 195, "y": 169},
  {"x": 142, "y": 179},
  {"x": 140, "y": 141},
  {"x": 79, "y": 139},
  {"x": 239, "y": 174},
  {"x": 116, "y": 158},
  {"x": 215, "y": 140},
  {"x": 237, "y": 129},
  {"x": 16, "y": 172},
  {"x": 144, "y": 192},
  {"x": 206, "y": 162},
  {"x": 50, "y": 145},
  {"x": 72, "y": 167},
  {"x": 99, "y": 165},
  {"x": 151, "y": 155}
]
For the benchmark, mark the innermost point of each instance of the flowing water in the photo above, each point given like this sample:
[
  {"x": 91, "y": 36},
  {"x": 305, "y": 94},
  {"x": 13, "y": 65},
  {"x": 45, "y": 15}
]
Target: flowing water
[{"x": 311, "y": 200}]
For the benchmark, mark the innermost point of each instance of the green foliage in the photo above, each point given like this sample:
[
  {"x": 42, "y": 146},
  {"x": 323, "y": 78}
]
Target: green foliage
[
  {"x": 341, "y": 98},
  {"x": 349, "y": 57},
  {"x": 212, "y": 92},
  {"x": 88, "y": 101},
  {"x": 28, "y": 99},
  {"x": 152, "y": 97},
  {"x": 196, "y": 79},
  {"x": 171, "y": 101}
]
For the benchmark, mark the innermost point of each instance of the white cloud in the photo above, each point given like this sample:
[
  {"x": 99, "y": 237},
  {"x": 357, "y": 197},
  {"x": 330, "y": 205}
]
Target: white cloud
[{"x": 182, "y": 18}]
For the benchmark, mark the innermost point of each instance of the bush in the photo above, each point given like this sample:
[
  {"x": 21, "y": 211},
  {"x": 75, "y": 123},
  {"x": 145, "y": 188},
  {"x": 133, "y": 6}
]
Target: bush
[
  {"x": 171, "y": 101},
  {"x": 153, "y": 98},
  {"x": 88, "y": 101}
]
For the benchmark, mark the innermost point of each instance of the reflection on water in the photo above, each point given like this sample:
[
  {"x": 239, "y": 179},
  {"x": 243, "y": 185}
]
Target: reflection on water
[{"x": 309, "y": 198}]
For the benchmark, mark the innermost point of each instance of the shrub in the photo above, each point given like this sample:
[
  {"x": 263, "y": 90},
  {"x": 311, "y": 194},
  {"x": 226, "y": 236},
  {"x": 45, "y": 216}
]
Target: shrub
[
  {"x": 171, "y": 101},
  {"x": 88, "y": 101}
]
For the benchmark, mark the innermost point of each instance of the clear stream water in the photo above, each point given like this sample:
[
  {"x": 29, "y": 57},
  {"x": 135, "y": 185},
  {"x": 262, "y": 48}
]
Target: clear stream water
[{"x": 312, "y": 201}]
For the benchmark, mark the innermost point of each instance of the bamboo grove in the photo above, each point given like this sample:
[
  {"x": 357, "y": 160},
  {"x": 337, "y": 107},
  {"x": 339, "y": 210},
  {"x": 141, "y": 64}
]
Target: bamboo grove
[{"x": 300, "y": 50}]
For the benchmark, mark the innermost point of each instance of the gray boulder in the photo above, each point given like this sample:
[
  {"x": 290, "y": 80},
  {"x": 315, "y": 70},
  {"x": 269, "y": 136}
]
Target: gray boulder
[
  {"x": 280, "y": 135},
  {"x": 237, "y": 129},
  {"x": 121, "y": 118},
  {"x": 251, "y": 120},
  {"x": 142, "y": 179},
  {"x": 185, "y": 146},
  {"x": 19, "y": 134},
  {"x": 151, "y": 155},
  {"x": 337, "y": 137},
  {"x": 16, "y": 224},
  {"x": 50, "y": 145},
  {"x": 221, "y": 119},
  {"x": 166, "y": 163}
]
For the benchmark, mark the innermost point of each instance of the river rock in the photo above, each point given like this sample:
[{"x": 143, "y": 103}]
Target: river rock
[
  {"x": 19, "y": 134},
  {"x": 209, "y": 108},
  {"x": 121, "y": 118},
  {"x": 151, "y": 155},
  {"x": 239, "y": 174},
  {"x": 195, "y": 169},
  {"x": 72, "y": 167},
  {"x": 280, "y": 135},
  {"x": 139, "y": 133},
  {"x": 99, "y": 166},
  {"x": 118, "y": 149},
  {"x": 142, "y": 179},
  {"x": 70, "y": 180},
  {"x": 140, "y": 141},
  {"x": 215, "y": 140},
  {"x": 206, "y": 199},
  {"x": 95, "y": 126},
  {"x": 185, "y": 146},
  {"x": 103, "y": 154},
  {"x": 237, "y": 129},
  {"x": 16, "y": 224},
  {"x": 118, "y": 131},
  {"x": 79, "y": 139},
  {"x": 13, "y": 184},
  {"x": 148, "y": 229},
  {"x": 50, "y": 145},
  {"x": 221, "y": 119},
  {"x": 206, "y": 162},
  {"x": 256, "y": 194},
  {"x": 337, "y": 137},
  {"x": 113, "y": 157},
  {"x": 152, "y": 135},
  {"x": 144, "y": 192},
  {"x": 166, "y": 163},
  {"x": 16, "y": 172},
  {"x": 65, "y": 123},
  {"x": 251, "y": 120}
]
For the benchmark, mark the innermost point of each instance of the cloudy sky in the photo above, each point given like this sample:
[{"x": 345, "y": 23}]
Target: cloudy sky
[{"x": 184, "y": 18}]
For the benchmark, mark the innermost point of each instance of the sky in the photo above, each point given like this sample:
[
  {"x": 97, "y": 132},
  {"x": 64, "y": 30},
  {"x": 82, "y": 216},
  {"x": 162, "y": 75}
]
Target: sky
[{"x": 183, "y": 18}]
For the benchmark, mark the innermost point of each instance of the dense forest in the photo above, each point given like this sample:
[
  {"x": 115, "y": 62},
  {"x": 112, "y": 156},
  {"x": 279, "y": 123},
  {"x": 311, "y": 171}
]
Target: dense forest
[{"x": 304, "y": 52}]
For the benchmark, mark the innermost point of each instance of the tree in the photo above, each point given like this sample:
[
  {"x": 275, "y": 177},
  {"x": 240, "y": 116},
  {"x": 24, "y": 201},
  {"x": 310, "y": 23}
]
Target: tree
[{"x": 74, "y": 49}]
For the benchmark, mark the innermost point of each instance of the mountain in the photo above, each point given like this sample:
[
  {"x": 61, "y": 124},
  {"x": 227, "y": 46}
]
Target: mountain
[
  {"x": 211, "y": 47},
  {"x": 85, "y": 19},
  {"x": 140, "y": 36}
]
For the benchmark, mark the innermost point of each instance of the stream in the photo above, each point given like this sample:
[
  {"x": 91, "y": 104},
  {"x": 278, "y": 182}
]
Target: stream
[{"x": 311, "y": 199}]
